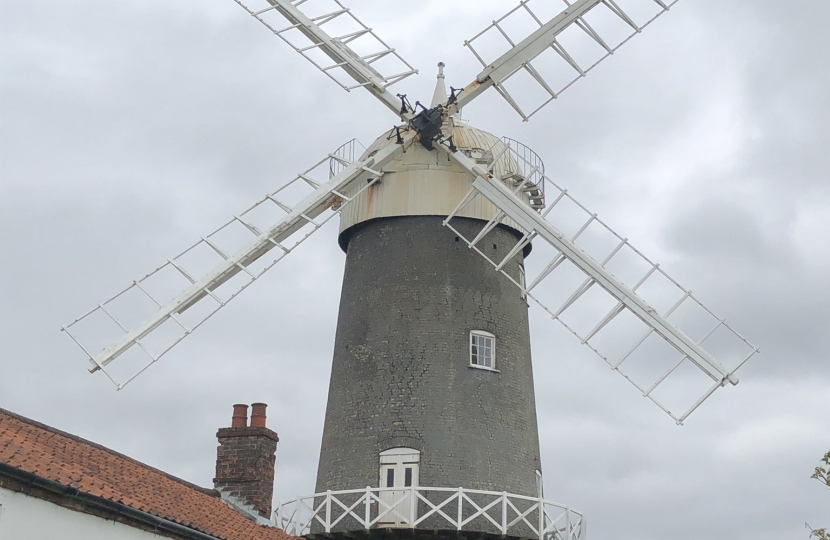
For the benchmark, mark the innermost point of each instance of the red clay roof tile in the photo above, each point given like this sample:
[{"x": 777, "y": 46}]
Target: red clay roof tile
[{"x": 99, "y": 471}]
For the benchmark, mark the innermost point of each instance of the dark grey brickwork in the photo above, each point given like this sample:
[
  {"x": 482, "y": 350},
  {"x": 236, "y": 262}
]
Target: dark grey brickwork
[
  {"x": 401, "y": 376},
  {"x": 245, "y": 465}
]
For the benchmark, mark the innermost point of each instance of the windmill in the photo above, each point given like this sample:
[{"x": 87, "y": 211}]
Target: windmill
[{"x": 431, "y": 400}]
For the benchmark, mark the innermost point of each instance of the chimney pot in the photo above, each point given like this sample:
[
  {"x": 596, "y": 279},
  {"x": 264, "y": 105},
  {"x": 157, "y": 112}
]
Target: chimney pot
[
  {"x": 240, "y": 416},
  {"x": 258, "y": 414}
]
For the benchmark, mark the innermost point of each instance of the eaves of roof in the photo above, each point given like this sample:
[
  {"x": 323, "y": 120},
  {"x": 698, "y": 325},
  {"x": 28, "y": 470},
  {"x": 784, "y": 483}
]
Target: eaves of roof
[
  {"x": 65, "y": 469},
  {"x": 32, "y": 484}
]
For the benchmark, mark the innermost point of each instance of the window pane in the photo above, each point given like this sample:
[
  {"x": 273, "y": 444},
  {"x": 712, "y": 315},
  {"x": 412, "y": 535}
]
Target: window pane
[
  {"x": 390, "y": 477},
  {"x": 407, "y": 477}
]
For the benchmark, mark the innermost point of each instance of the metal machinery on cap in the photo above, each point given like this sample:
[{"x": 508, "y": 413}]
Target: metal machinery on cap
[{"x": 436, "y": 219}]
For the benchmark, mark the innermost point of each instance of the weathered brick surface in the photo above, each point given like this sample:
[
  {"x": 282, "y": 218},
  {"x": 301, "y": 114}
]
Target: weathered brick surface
[
  {"x": 245, "y": 465},
  {"x": 400, "y": 373}
]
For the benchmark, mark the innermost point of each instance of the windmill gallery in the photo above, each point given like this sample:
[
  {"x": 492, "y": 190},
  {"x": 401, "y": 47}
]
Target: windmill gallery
[{"x": 450, "y": 234}]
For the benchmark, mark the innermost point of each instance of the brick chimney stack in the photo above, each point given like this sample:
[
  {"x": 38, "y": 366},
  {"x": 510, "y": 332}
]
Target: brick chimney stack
[{"x": 245, "y": 458}]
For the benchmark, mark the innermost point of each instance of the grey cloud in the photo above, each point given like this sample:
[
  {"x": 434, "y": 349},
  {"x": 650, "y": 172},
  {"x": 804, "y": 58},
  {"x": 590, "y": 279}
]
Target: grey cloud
[{"x": 129, "y": 130}]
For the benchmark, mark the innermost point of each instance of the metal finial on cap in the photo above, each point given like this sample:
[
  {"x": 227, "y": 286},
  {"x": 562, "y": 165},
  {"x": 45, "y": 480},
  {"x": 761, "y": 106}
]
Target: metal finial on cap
[{"x": 440, "y": 95}]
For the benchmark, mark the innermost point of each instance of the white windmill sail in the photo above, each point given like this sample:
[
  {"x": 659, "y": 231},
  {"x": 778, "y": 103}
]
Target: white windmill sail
[
  {"x": 557, "y": 53},
  {"x": 332, "y": 38},
  {"x": 603, "y": 299},
  {"x": 188, "y": 289}
]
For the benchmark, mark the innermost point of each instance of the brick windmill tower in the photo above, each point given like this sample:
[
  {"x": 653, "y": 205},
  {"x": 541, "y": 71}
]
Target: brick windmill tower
[
  {"x": 432, "y": 380},
  {"x": 431, "y": 423}
]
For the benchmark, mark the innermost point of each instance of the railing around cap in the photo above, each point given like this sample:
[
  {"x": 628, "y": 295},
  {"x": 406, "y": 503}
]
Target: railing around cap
[
  {"x": 430, "y": 508},
  {"x": 343, "y": 156},
  {"x": 529, "y": 164}
]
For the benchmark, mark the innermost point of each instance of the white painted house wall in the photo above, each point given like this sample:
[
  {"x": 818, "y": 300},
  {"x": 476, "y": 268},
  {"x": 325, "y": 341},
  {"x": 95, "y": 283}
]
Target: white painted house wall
[{"x": 28, "y": 518}]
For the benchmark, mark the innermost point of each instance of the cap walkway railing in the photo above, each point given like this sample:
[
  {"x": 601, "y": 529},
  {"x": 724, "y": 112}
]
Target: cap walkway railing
[{"x": 430, "y": 508}]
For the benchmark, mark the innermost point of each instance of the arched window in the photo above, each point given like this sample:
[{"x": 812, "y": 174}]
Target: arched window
[{"x": 482, "y": 350}]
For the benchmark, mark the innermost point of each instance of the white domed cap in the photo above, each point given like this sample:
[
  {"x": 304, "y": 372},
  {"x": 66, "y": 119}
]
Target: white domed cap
[{"x": 427, "y": 183}]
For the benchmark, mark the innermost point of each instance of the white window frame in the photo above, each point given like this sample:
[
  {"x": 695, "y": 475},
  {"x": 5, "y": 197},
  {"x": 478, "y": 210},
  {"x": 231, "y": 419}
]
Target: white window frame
[{"x": 484, "y": 334}]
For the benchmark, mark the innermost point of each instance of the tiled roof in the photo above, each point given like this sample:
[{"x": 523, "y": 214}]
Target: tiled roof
[{"x": 74, "y": 462}]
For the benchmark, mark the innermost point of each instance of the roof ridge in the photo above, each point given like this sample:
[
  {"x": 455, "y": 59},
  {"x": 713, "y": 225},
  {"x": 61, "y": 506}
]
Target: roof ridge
[{"x": 207, "y": 491}]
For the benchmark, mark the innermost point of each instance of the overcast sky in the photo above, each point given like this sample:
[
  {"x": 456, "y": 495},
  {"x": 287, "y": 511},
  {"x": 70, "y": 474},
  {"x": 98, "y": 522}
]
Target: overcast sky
[{"x": 128, "y": 130}]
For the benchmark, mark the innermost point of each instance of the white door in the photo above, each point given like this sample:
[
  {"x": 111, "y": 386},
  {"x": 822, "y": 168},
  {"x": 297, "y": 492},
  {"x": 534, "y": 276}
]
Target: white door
[{"x": 398, "y": 469}]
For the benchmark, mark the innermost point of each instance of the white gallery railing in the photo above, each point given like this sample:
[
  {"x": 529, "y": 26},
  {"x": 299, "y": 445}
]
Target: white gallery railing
[{"x": 430, "y": 508}]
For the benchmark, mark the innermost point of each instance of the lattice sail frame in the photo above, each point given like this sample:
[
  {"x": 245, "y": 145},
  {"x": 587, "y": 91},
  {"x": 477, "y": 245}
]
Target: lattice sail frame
[
  {"x": 649, "y": 374},
  {"x": 354, "y": 50},
  {"x": 187, "y": 290},
  {"x": 553, "y": 58}
]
